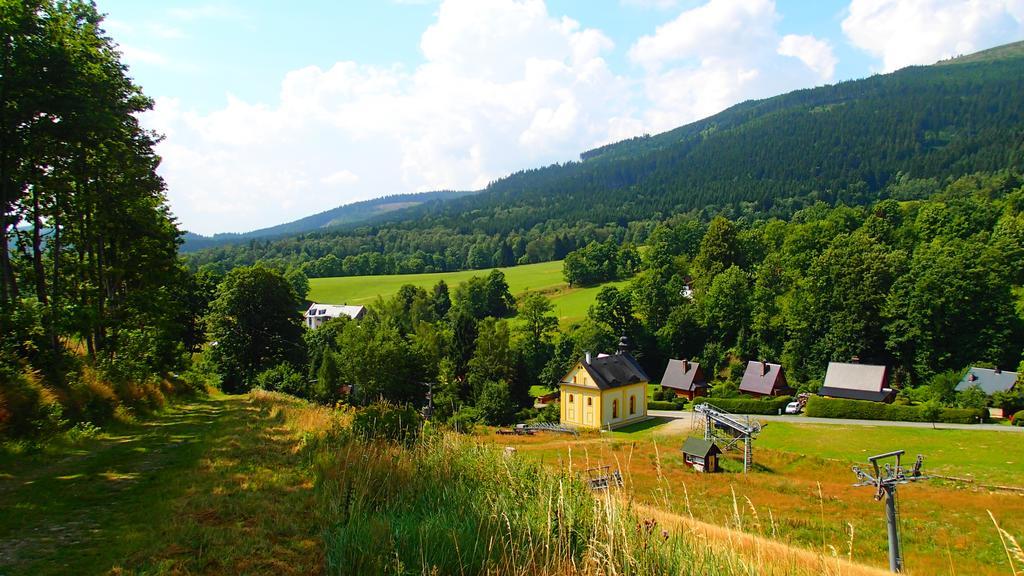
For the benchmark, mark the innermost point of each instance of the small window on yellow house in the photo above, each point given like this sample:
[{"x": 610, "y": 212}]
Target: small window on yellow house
[
  {"x": 590, "y": 401},
  {"x": 615, "y": 408},
  {"x": 570, "y": 398},
  {"x": 632, "y": 404}
]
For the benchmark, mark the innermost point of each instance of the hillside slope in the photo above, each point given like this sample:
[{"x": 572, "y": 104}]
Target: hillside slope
[
  {"x": 346, "y": 214},
  {"x": 841, "y": 143}
]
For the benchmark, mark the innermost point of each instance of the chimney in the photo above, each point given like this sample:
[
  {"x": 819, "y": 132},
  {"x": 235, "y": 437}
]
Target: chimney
[
  {"x": 686, "y": 366},
  {"x": 998, "y": 370},
  {"x": 972, "y": 377},
  {"x": 586, "y": 357},
  {"x": 855, "y": 360},
  {"x": 764, "y": 367}
]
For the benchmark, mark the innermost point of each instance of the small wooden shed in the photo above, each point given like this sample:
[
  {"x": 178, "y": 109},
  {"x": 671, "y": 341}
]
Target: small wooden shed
[{"x": 701, "y": 454}]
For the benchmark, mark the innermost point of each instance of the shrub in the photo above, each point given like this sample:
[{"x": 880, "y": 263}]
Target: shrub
[
  {"x": 465, "y": 419},
  {"x": 661, "y": 405},
  {"x": 283, "y": 378},
  {"x": 1018, "y": 418},
  {"x": 550, "y": 414},
  {"x": 767, "y": 405},
  {"x": 387, "y": 421},
  {"x": 822, "y": 407}
]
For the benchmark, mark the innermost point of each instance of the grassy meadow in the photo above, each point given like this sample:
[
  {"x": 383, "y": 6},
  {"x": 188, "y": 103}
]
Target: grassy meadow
[
  {"x": 215, "y": 485},
  {"x": 801, "y": 491},
  {"x": 570, "y": 304}
]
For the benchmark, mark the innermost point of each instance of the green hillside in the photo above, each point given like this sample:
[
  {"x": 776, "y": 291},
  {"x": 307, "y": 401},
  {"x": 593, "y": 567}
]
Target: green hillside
[
  {"x": 849, "y": 143},
  {"x": 571, "y": 304}
]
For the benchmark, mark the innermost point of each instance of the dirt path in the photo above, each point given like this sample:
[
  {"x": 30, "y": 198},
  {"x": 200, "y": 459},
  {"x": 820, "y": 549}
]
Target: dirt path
[{"x": 162, "y": 496}]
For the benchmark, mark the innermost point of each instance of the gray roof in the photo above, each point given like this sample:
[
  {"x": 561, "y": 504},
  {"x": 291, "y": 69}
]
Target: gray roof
[
  {"x": 615, "y": 370},
  {"x": 763, "y": 378},
  {"x": 864, "y": 377},
  {"x": 683, "y": 375},
  {"x": 700, "y": 447},
  {"x": 988, "y": 380},
  {"x": 883, "y": 395}
]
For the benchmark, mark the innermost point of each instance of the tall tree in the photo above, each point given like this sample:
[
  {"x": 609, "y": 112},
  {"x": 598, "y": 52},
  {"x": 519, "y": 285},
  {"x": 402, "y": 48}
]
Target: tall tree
[{"x": 254, "y": 325}]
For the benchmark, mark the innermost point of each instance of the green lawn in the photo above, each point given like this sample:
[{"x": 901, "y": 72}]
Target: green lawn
[
  {"x": 570, "y": 304},
  {"x": 986, "y": 455}
]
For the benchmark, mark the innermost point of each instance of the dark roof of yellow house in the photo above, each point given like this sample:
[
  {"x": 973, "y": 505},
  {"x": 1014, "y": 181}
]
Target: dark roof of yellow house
[{"x": 612, "y": 371}]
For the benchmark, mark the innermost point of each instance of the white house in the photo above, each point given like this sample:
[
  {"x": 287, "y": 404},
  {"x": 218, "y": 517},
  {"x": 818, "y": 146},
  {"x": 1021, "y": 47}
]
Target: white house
[{"x": 320, "y": 313}]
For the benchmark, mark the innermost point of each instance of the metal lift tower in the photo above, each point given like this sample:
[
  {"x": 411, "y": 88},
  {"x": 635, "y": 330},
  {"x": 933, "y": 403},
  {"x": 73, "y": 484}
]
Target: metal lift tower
[
  {"x": 729, "y": 430},
  {"x": 885, "y": 480}
]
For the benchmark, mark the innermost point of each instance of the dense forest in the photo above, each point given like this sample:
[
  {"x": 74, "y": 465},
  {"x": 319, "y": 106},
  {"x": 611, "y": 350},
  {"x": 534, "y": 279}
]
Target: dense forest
[
  {"x": 926, "y": 287},
  {"x": 902, "y": 135}
]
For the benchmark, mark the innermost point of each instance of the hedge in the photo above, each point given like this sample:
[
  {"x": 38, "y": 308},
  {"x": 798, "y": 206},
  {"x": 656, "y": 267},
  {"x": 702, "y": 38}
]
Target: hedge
[
  {"x": 822, "y": 407},
  {"x": 661, "y": 405},
  {"x": 1018, "y": 418},
  {"x": 748, "y": 405}
]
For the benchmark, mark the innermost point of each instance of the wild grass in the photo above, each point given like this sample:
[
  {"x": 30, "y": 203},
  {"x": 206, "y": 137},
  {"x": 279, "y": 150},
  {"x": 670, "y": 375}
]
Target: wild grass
[
  {"x": 213, "y": 485},
  {"x": 945, "y": 526},
  {"x": 448, "y": 505}
]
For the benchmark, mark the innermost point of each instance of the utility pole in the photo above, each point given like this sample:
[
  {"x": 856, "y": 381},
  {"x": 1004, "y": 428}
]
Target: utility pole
[{"x": 885, "y": 480}]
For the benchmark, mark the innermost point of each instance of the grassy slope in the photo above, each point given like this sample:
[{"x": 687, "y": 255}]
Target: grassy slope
[
  {"x": 214, "y": 486},
  {"x": 943, "y": 524},
  {"x": 570, "y": 304}
]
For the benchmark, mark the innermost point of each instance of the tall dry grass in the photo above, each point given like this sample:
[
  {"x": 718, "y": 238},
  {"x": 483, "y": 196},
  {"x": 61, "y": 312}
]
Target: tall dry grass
[{"x": 447, "y": 505}]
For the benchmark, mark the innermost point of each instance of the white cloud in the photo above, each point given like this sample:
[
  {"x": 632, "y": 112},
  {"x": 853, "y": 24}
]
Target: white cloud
[
  {"x": 341, "y": 177},
  {"x": 657, "y": 4},
  {"x": 905, "y": 32},
  {"x": 504, "y": 86},
  {"x": 816, "y": 54},
  {"x": 134, "y": 56},
  {"x": 721, "y": 53}
]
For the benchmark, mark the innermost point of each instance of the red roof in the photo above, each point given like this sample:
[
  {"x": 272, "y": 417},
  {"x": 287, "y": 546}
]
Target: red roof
[{"x": 763, "y": 378}]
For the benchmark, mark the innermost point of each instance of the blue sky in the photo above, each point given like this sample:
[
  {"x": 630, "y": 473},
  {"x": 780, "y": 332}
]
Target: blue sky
[{"x": 275, "y": 111}]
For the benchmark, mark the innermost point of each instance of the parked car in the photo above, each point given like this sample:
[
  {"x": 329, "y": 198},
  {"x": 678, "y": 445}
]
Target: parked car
[{"x": 793, "y": 408}]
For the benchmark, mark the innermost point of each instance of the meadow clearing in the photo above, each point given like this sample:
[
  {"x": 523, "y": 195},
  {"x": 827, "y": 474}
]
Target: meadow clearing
[
  {"x": 801, "y": 491},
  {"x": 570, "y": 304},
  {"x": 268, "y": 484}
]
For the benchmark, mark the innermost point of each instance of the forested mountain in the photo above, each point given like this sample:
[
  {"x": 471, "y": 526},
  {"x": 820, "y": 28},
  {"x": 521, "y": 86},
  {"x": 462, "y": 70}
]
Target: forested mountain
[
  {"x": 347, "y": 214},
  {"x": 896, "y": 135}
]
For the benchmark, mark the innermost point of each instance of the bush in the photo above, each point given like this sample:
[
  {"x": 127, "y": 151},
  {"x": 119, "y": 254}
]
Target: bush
[
  {"x": 550, "y": 414},
  {"x": 465, "y": 420},
  {"x": 1018, "y": 418},
  {"x": 767, "y": 405},
  {"x": 386, "y": 421},
  {"x": 822, "y": 407},
  {"x": 661, "y": 405},
  {"x": 283, "y": 378}
]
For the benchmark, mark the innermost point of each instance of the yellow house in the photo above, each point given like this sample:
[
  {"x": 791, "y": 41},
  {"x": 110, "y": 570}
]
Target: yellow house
[{"x": 604, "y": 392}]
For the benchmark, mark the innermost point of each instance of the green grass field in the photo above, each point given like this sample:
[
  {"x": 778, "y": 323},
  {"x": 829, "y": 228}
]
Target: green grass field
[
  {"x": 801, "y": 490},
  {"x": 987, "y": 456},
  {"x": 570, "y": 304}
]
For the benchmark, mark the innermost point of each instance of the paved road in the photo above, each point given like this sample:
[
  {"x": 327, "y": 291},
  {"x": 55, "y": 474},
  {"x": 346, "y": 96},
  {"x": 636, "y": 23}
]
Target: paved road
[{"x": 682, "y": 421}]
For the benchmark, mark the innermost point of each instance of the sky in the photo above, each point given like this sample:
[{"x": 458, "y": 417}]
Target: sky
[{"x": 272, "y": 110}]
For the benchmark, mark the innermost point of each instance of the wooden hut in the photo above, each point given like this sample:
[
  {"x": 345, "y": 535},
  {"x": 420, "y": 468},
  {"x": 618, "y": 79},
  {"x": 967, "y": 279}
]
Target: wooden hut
[{"x": 701, "y": 455}]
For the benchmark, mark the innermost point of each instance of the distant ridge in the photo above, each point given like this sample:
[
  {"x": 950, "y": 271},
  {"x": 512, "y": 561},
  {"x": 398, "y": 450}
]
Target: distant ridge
[
  {"x": 345, "y": 214},
  {"x": 846, "y": 143}
]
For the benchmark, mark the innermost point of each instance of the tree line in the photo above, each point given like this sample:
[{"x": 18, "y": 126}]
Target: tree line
[
  {"x": 88, "y": 249},
  {"x": 926, "y": 287}
]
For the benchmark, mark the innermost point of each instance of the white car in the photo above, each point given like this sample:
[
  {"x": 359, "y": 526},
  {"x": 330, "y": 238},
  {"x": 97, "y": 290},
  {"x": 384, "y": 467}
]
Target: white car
[{"x": 793, "y": 408}]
